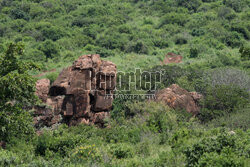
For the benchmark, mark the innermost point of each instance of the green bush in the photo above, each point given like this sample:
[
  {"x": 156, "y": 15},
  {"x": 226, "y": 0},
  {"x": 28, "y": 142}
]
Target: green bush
[
  {"x": 19, "y": 13},
  {"x": 174, "y": 18},
  {"x": 245, "y": 53},
  {"x": 226, "y": 158},
  {"x": 191, "y": 5},
  {"x": 198, "y": 32},
  {"x": 221, "y": 100},
  {"x": 50, "y": 49},
  {"x": 52, "y": 76},
  {"x": 236, "y": 120},
  {"x": 193, "y": 52},
  {"x": 56, "y": 143},
  {"x": 121, "y": 151},
  {"x": 220, "y": 150},
  {"x": 8, "y": 158},
  {"x": 161, "y": 121},
  {"x": 225, "y": 98},
  {"x": 237, "y": 5},
  {"x": 227, "y": 76},
  {"x": 53, "y": 33},
  {"x": 35, "y": 55},
  {"x": 86, "y": 153},
  {"x": 241, "y": 28}
]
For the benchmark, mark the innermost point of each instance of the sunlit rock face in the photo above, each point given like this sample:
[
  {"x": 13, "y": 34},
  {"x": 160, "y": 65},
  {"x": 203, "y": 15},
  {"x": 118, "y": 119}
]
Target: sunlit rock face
[
  {"x": 78, "y": 95},
  {"x": 179, "y": 98}
]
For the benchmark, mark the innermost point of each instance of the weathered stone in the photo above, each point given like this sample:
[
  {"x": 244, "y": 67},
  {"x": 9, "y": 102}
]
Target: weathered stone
[
  {"x": 102, "y": 103},
  {"x": 172, "y": 58},
  {"x": 196, "y": 96},
  {"x": 61, "y": 84},
  {"x": 99, "y": 117},
  {"x": 178, "y": 98},
  {"x": 78, "y": 94},
  {"x": 42, "y": 89},
  {"x": 87, "y": 62}
]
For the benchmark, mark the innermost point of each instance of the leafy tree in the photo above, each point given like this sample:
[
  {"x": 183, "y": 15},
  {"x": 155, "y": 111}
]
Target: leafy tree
[
  {"x": 193, "y": 52},
  {"x": 174, "y": 18},
  {"x": 50, "y": 49},
  {"x": 245, "y": 52},
  {"x": 237, "y": 5},
  {"x": 54, "y": 33},
  {"x": 190, "y": 4},
  {"x": 16, "y": 93}
]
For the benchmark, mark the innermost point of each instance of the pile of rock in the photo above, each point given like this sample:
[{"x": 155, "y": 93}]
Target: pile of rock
[{"x": 78, "y": 95}]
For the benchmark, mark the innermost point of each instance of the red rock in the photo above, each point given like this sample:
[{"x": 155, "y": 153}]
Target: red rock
[
  {"x": 196, "y": 96},
  {"x": 78, "y": 94},
  {"x": 61, "y": 85},
  {"x": 42, "y": 89},
  {"x": 172, "y": 58},
  {"x": 99, "y": 117},
  {"x": 178, "y": 98},
  {"x": 102, "y": 103}
]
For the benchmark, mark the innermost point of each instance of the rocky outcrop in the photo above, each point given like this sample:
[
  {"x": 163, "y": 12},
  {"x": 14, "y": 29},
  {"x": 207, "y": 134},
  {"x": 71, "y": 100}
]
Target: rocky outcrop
[
  {"x": 178, "y": 98},
  {"x": 172, "y": 58},
  {"x": 78, "y": 94}
]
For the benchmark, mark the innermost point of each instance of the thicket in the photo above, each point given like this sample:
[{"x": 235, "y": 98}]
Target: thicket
[
  {"x": 57, "y": 30},
  {"x": 211, "y": 35}
]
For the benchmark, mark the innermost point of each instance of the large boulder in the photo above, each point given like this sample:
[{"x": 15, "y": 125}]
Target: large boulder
[
  {"x": 179, "y": 98},
  {"x": 78, "y": 95}
]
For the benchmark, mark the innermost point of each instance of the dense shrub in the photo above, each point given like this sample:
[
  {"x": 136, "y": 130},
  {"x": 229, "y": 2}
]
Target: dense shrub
[
  {"x": 53, "y": 33},
  {"x": 237, "y": 120},
  {"x": 221, "y": 100},
  {"x": 182, "y": 38},
  {"x": 241, "y": 28},
  {"x": 8, "y": 158},
  {"x": 226, "y": 98},
  {"x": 228, "y": 76},
  {"x": 193, "y": 53},
  {"x": 86, "y": 153},
  {"x": 174, "y": 18},
  {"x": 237, "y": 5},
  {"x": 245, "y": 53},
  {"x": 191, "y": 5},
  {"x": 56, "y": 143},
  {"x": 35, "y": 55},
  {"x": 50, "y": 49},
  {"x": 121, "y": 151},
  {"x": 19, "y": 13},
  {"x": 222, "y": 150}
]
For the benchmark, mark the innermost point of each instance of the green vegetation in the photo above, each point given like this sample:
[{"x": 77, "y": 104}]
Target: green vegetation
[
  {"x": 17, "y": 90},
  {"x": 211, "y": 35}
]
